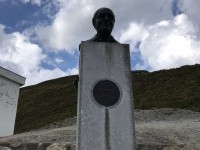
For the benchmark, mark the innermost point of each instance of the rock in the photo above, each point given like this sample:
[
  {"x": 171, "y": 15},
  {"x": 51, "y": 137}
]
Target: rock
[
  {"x": 161, "y": 147},
  {"x": 15, "y": 144},
  {"x": 174, "y": 147},
  {"x": 60, "y": 146},
  {"x": 4, "y": 148}
]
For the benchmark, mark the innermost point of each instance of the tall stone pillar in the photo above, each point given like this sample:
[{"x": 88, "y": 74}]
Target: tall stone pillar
[{"x": 105, "y": 98}]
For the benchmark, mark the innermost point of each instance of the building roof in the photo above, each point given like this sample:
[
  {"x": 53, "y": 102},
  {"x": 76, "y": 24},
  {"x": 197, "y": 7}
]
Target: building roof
[{"x": 12, "y": 76}]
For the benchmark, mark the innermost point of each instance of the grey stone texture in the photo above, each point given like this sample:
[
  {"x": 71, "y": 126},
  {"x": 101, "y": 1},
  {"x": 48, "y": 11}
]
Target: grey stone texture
[
  {"x": 4, "y": 148},
  {"x": 99, "y": 127},
  {"x": 9, "y": 92}
]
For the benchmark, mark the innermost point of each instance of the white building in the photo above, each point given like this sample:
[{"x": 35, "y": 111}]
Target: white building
[{"x": 9, "y": 93}]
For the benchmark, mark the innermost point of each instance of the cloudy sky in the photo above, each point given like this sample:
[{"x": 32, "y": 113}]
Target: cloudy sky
[{"x": 39, "y": 38}]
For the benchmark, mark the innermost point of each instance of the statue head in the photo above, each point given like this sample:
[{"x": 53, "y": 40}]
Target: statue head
[{"x": 103, "y": 21}]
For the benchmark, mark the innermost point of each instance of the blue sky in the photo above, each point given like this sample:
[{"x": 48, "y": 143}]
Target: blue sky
[{"x": 40, "y": 38}]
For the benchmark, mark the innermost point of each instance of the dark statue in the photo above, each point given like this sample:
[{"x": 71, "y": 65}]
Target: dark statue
[{"x": 103, "y": 21}]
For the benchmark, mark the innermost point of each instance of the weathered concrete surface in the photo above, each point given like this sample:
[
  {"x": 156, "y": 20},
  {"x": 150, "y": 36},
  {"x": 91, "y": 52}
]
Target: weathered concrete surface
[
  {"x": 9, "y": 92},
  {"x": 99, "y": 127},
  {"x": 162, "y": 129}
]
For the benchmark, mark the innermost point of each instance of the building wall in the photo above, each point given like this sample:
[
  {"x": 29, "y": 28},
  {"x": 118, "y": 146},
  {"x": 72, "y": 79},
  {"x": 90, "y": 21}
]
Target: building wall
[{"x": 9, "y": 92}]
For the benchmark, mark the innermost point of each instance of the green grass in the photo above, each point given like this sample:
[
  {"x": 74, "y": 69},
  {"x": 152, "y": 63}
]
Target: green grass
[
  {"x": 175, "y": 88},
  {"x": 44, "y": 103},
  {"x": 56, "y": 99}
]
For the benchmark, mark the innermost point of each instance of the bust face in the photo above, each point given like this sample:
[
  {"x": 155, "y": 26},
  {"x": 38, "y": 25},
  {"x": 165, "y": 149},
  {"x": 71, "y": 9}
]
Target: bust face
[{"x": 104, "y": 23}]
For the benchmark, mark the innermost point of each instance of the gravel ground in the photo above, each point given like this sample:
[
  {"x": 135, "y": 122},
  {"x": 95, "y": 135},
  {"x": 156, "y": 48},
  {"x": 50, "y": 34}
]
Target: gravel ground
[
  {"x": 63, "y": 123},
  {"x": 163, "y": 114},
  {"x": 168, "y": 127},
  {"x": 175, "y": 128}
]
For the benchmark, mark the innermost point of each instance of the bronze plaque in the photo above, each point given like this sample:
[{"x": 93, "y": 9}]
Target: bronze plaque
[{"x": 106, "y": 93}]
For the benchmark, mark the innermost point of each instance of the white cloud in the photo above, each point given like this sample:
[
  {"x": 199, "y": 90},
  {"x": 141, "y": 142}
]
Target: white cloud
[
  {"x": 191, "y": 8},
  {"x": 18, "y": 54},
  {"x": 44, "y": 74},
  {"x": 72, "y": 71},
  {"x": 166, "y": 44},
  {"x": 68, "y": 28},
  {"x": 134, "y": 34},
  {"x": 141, "y": 11},
  {"x": 171, "y": 44},
  {"x": 73, "y": 22},
  {"x": 21, "y": 56},
  {"x": 139, "y": 66},
  {"x": 35, "y": 2},
  {"x": 59, "y": 60}
]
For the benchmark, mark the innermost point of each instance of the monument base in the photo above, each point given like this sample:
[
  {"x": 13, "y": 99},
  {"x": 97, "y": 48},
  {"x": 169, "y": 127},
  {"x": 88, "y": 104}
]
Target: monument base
[{"x": 105, "y": 102}]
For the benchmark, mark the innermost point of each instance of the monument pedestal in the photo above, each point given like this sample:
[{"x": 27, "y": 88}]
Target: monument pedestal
[{"x": 105, "y": 100}]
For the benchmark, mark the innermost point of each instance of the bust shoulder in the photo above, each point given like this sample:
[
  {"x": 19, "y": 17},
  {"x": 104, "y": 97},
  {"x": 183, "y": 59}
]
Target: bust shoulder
[{"x": 97, "y": 38}]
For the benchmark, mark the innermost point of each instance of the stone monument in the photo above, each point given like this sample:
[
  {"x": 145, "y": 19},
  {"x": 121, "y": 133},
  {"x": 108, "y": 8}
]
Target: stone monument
[
  {"x": 105, "y": 101},
  {"x": 9, "y": 92}
]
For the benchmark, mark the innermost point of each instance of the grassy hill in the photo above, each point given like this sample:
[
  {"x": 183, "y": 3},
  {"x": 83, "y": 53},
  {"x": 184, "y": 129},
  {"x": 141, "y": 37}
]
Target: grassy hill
[{"x": 56, "y": 99}]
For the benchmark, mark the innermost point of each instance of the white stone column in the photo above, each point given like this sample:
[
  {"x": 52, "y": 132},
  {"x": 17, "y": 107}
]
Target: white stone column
[
  {"x": 9, "y": 93},
  {"x": 105, "y": 99}
]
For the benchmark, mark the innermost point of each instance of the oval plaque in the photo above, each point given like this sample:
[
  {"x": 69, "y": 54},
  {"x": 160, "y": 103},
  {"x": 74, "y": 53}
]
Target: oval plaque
[{"x": 106, "y": 93}]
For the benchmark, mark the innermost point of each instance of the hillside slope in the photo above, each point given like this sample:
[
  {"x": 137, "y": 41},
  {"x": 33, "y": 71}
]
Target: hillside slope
[
  {"x": 56, "y": 99},
  {"x": 175, "y": 88}
]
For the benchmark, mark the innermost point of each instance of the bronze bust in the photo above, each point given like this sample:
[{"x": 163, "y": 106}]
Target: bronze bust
[{"x": 103, "y": 21}]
